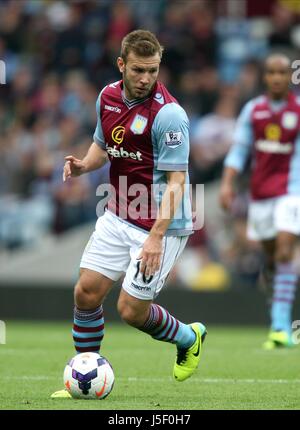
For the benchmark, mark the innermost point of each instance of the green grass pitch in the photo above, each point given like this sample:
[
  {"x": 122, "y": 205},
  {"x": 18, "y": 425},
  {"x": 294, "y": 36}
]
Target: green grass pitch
[{"x": 234, "y": 372}]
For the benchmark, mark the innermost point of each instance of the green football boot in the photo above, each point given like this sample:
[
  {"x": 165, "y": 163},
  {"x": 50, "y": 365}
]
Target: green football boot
[
  {"x": 61, "y": 394},
  {"x": 188, "y": 359},
  {"x": 278, "y": 339}
]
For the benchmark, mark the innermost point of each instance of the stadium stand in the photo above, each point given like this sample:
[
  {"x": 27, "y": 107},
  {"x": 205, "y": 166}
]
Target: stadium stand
[{"x": 58, "y": 56}]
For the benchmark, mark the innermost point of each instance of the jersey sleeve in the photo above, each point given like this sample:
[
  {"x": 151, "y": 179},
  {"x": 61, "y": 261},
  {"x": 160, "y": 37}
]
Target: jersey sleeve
[
  {"x": 170, "y": 132},
  {"x": 98, "y": 135},
  {"x": 243, "y": 139}
]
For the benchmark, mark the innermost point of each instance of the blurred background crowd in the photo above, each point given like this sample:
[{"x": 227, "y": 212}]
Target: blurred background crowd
[{"x": 60, "y": 54}]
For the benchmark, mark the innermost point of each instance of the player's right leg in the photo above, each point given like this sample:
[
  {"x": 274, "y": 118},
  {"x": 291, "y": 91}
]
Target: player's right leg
[
  {"x": 88, "y": 326},
  {"x": 104, "y": 260},
  {"x": 268, "y": 269},
  {"x": 89, "y": 294}
]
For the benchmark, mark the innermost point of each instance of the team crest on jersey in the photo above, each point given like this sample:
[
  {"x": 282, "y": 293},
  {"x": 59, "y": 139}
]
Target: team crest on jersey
[
  {"x": 173, "y": 139},
  {"x": 289, "y": 120},
  {"x": 138, "y": 124}
]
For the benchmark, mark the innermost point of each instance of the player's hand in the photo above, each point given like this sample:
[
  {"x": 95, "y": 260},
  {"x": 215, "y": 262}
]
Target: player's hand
[
  {"x": 226, "y": 196},
  {"x": 73, "y": 167},
  {"x": 151, "y": 255}
]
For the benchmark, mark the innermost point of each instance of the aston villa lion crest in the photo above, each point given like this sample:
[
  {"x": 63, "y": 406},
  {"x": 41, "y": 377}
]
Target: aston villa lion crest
[{"x": 138, "y": 124}]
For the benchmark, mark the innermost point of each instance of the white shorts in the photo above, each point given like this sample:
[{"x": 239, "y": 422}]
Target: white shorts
[
  {"x": 114, "y": 248},
  {"x": 267, "y": 217}
]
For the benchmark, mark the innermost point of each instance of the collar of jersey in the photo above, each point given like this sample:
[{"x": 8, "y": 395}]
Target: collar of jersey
[
  {"x": 277, "y": 105},
  {"x": 131, "y": 103}
]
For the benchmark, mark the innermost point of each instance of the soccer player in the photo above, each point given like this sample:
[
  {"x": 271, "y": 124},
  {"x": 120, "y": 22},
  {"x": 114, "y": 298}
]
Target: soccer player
[
  {"x": 268, "y": 131},
  {"x": 144, "y": 133}
]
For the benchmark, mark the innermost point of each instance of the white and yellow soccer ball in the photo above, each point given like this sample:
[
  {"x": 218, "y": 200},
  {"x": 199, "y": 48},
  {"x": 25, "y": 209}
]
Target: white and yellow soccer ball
[{"x": 89, "y": 376}]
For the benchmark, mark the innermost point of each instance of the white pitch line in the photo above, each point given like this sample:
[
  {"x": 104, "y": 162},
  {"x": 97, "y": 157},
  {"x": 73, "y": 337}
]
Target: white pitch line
[
  {"x": 28, "y": 378},
  {"x": 221, "y": 380},
  {"x": 136, "y": 379}
]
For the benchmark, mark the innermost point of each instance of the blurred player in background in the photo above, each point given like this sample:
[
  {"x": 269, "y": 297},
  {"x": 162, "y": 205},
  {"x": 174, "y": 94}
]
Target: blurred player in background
[
  {"x": 268, "y": 131},
  {"x": 144, "y": 132}
]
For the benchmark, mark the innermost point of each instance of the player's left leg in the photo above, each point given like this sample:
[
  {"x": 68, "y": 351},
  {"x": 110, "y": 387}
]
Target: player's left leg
[
  {"x": 137, "y": 309},
  {"x": 287, "y": 225},
  {"x": 284, "y": 288},
  {"x": 161, "y": 325}
]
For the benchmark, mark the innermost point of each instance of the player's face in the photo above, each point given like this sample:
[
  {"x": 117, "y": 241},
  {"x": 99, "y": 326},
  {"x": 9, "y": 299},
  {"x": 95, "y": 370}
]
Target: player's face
[
  {"x": 139, "y": 74},
  {"x": 277, "y": 78}
]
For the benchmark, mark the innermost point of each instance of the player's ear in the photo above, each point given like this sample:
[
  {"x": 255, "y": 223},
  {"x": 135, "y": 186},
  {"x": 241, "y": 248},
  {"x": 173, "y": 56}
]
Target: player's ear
[{"x": 121, "y": 64}]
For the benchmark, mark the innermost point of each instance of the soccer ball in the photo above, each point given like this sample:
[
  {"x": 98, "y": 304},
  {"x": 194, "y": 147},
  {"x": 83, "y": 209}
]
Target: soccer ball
[{"x": 89, "y": 376}]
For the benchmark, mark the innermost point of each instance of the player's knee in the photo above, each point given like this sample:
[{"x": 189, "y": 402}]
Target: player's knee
[
  {"x": 85, "y": 296},
  {"x": 130, "y": 315}
]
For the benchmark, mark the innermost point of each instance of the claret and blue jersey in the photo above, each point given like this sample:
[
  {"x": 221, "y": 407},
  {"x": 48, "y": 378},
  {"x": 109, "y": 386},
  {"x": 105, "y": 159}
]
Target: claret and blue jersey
[
  {"x": 144, "y": 139},
  {"x": 269, "y": 131}
]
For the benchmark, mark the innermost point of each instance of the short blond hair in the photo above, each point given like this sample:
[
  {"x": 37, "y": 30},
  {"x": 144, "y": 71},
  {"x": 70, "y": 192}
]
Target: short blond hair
[{"x": 142, "y": 43}]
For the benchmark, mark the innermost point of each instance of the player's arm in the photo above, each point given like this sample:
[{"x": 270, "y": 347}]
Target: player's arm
[
  {"x": 171, "y": 199},
  {"x": 96, "y": 156},
  {"x": 227, "y": 187},
  {"x": 170, "y": 131},
  {"x": 237, "y": 156}
]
